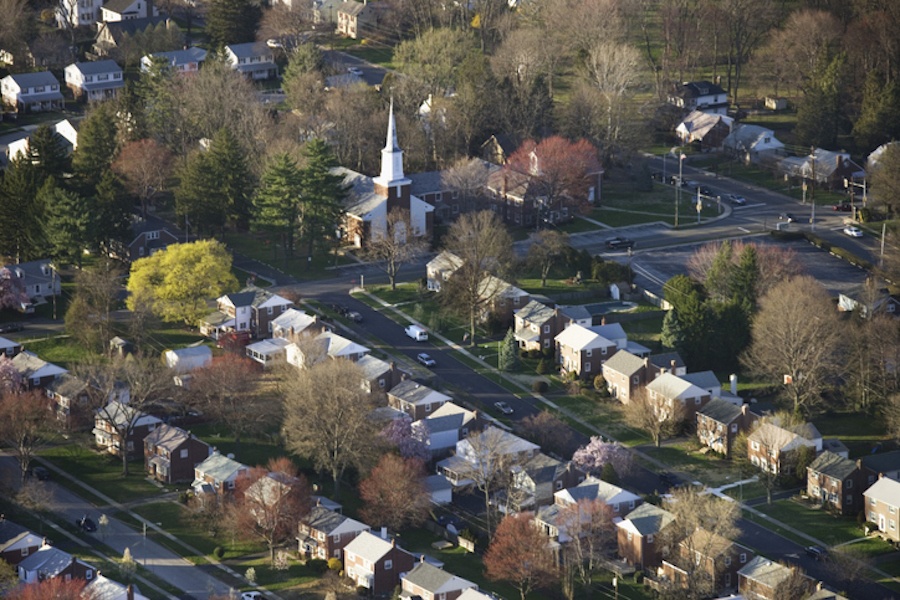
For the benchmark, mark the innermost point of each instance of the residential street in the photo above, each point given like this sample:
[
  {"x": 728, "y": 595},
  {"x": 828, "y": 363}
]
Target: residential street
[{"x": 194, "y": 581}]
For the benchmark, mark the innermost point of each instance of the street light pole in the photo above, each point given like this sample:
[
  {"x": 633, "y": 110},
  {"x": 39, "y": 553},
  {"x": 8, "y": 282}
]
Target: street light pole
[{"x": 681, "y": 158}]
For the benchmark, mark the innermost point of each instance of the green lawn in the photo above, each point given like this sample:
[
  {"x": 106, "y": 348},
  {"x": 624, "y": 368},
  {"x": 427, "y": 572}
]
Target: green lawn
[
  {"x": 605, "y": 415},
  {"x": 101, "y": 471},
  {"x": 62, "y": 351},
  {"x": 817, "y": 523},
  {"x": 860, "y": 432},
  {"x": 870, "y": 548},
  {"x": 682, "y": 457},
  {"x": 296, "y": 575}
]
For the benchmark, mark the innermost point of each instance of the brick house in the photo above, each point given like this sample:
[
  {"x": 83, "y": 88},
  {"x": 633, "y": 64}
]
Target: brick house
[
  {"x": 416, "y": 399},
  {"x": 251, "y": 309},
  {"x": 536, "y": 481},
  {"x": 668, "y": 389},
  {"x": 719, "y": 422},
  {"x": 217, "y": 474},
  {"x": 49, "y": 562},
  {"x": 375, "y": 562},
  {"x": 882, "y": 500},
  {"x": 769, "y": 446},
  {"x": 16, "y": 542},
  {"x": 535, "y": 326},
  {"x": 836, "y": 482},
  {"x": 293, "y": 324},
  {"x": 440, "y": 268},
  {"x": 34, "y": 371},
  {"x": 619, "y": 501},
  {"x": 700, "y": 95},
  {"x": 380, "y": 376},
  {"x": 625, "y": 373},
  {"x": 69, "y": 395},
  {"x": 707, "y": 557},
  {"x": 637, "y": 535},
  {"x": 150, "y": 236},
  {"x": 324, "y": 533},
  {"x": 762, "y": 579},
  {"x": 427, "y": 582},
  {"x": 115, "y": 417},
  {"x": 883, "y": 464},
  {"x": 583, "y": 350},
  {"x": 170, "y": 454}
]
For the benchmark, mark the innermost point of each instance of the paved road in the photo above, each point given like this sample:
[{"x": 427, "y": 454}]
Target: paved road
[{"x": 163, "y": 563}]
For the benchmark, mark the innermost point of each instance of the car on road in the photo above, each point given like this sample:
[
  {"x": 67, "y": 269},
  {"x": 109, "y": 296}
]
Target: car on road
[
  {"x": 355, "y": 71},
  {"x": 736, "y": 199},
  {"x": 11, "y": 327},
  {"x": 853, "y": 231},
  {"x": 86, "y": 523},
  {"x": 816, "y": 552},
  {"x": 619, "y": 243},
  {"x": 843, "y": 207},
  {"x": 789, "y": 217},
  {"x": 254, "y": 595},
  {"x": 425, "y": 359},
  {"x": 38, "y": 472},
  {"x": 354, "y": 316},
  {"x": 503, "y": 407}
]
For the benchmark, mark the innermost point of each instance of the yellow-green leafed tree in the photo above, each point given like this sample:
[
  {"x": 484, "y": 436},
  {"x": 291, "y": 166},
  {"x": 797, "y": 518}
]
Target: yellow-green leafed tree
[{"x": 175, "y": 283}]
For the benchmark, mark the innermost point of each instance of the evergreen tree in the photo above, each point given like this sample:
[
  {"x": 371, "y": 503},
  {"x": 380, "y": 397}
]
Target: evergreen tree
[
  {"x": 96, "y": 146},
  {"x": 508, "y": 352},
  {"x": 719, "y": 276},
  {"x": 157, "y": 112},
  {"x": 322, "y": 195},
  {"x": 671, "y": 335},
  {"x": 67, "y": 222},
  {"x": 228, "y": 160},
  {"x": 47, "y": 153},
  {"x": 745, "y": 277},
  {"x": 819, "y": 112},
  {"x": 277, "y": 201},
  {"x": 879, "y": 115},
  {"x": 20, "y": 214},
  {"x": 197, "y": 196},
  {"x": 113, "y": 213},
  {"x": 232, "y": 21},
  {"x": 722, "y": 351}
]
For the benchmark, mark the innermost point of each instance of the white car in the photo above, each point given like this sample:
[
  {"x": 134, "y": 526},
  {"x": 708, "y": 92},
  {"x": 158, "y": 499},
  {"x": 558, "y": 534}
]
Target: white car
[
  {"x": 736, "y": 200},
  {"x": 503, "y": 407},
  {"x": 254, "y": 595},
  {"x": 425, "y": 359},
  {"x": 355, "y": 71},
  {"x": 853, "y": 231}
]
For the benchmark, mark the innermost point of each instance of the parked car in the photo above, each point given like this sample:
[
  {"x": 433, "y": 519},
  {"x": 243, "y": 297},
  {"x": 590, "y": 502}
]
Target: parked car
[
  {"x": 736, "y": 200},
  {"x": 619, "y": 243},
  {"x": 11, "y": 327},
  {"x": 417, "y": 333},
  {"x": 86, "y": 523},
  {"x": 38, "y": 472},
  {"x": 425, "y": 359},
  {"x": 503, "y": 407},
  {"x": 354, "y": 316},
  {"x": 853, "y": 231},
  {"x": 789, "y": 217},
  {"x": 816, "y": 552},
  {"x": 355, "y": 71},
  {"x": 843, "y": 207}
]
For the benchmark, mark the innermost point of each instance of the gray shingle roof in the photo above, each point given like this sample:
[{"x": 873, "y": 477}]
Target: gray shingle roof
[
  {"x": 833, "y": 465},
  {"x": 168, "y": 437},
  {"x": 535, "y": 312},
  {"x": 883, "y": 462},
  {"x": 625, "y": 362},
  {"x": 26, "y": 80},
  {"x": 703, "y": 379},
  {"x": 649, "y": 519},
  {"x": 250, "y": 49},
  {"x": 664, "y": 360},
  {"x": 720, "y": 411},
  {"x": 48, "y": 562},
  {"x": 765, "y": 571},
  {"x": 98, "y": 67}
]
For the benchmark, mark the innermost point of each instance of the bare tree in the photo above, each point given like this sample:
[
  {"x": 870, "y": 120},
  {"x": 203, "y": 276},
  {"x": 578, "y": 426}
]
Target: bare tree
[
  {"x": 746, "y": 24},
  {"x": 482, "y": 243},
  {"x": 145, "y": 166},
  {"x": 547, "y": 431},
  {"x": 398, "y": 246},
  {"x": 326, "y": 417},
  {"x": 588, "y": 525},
  {"x": 547, "y": 248},
  {"x": 796, "y": 586},
  {"x": 658, "y": 419},
  {"x": 467, "y": 177},
  {"x": 520, "y": 554},
  {"x": 395, "y": 493},
  {"x": 89, "y": 316},
  {"x": 768, "y": 437},
  {"x": 27, "y": 424},
  {"x": 797, "y": 341}
]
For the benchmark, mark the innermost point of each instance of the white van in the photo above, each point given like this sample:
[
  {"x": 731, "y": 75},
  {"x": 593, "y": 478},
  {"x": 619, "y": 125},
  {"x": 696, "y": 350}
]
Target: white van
[{"x": 417, "y": 333}]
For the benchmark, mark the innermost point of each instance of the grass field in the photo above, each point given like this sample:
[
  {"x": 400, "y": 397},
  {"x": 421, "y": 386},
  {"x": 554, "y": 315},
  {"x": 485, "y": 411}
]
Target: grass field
[{"x": 815, "y": 522}]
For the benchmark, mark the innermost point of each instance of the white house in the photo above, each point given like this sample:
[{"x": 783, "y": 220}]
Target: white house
[
  {"x": 93, "y": 81},
  {"x": 253, "y": 59},
  {"x": 31, "y": 92},
  {"x": 78, "y": 13},
  {"x": 446, "y": 426},
  {"x": 620, "y": 502},
  {"x": 428, "y": 582},
  {"x": 268, "y": 352},
  {"x": 113, "y": 11},
  {"x": 184, "y": 360},
  {"x": 709, "y": 129},
  {"x": 182, "y": 61},
  {"x": 700, "y": 95},
  {"x": 103, "y": 588},
  {"x": 20, "y": 147},
  {"x": 753, "y": 144}
]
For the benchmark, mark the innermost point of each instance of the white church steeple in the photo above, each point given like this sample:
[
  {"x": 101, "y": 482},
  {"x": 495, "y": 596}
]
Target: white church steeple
[{"x": 391, "y": 159}]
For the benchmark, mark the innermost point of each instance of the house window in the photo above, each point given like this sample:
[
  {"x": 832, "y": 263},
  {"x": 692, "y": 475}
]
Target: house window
[
  {"x": 546, "y": 329},
  {"x": 183, "y": 453},
  {"x": 849, "y": 484},
  {"x": 587, "y": 367},
  {"x": 427, "y": 408},
  {"x": 849, "y": 499},
  {"x": 336, "y": 538},
  {"x": 893, "y": 524},
  {"x": 270, "y": 310},
  {"x": 629, "y": 536},
  {"x": 650, "y": 538},
  {"x": 873, "y": 501},
  {"x": 381, "y": 383},
  {"x": 635, "y": 380},
  {"x": 615, "y": 508},
  {"x": 559, "y": 485},
  {"x": 24, "y": 551},
  {"x": 892, "y": 509},
  {"x": 89, "y": 574},
  {"x": 631, "y": 504},
  {"x": 743, "y": 557},
  {"x": 588, "y": 353},
  {"x": 754, "y": 445},
  {"x": 734, "y": 428},
  {"x": 388, "y": 565},
  {"x": 727, "y": 561},
  {"x": 696, "y": 400},
  {"x": 603, "y": 351}
]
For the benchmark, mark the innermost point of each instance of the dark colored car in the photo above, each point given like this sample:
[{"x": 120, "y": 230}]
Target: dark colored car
[
  {"x": 619, "y": 243},
  {"x": 503, "y": 407},
  {"x": 816, "y": 552},
  {"x": 39, "y": 473},
  {"x": 11, "y": 327},
  {"x": 354, "y": 316},
  {"x": 843, "y": 207},
  {"x": 86, "y": 524}
]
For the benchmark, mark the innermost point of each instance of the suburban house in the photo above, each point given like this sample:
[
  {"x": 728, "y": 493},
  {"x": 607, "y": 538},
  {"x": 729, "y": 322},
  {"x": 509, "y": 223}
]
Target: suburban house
[
  {"x": 324, "y": 533},
  {"x": 181, "y": 61},
  {"x": 882, "y": 500},
  {"x": 115, "y": 416},
  {"x": 440, "y": 268},
  {"x": 354, "y": 19},
  {"x": 69, "y": 394},
  {"x": 482, "y": 450},
  {"x": 439, "y": 488},
  {"x": 503, "y": 298},
  {"x": 882, "y": 464},
  {"x": 769, "y": 445},
  {"x": 415, "y": 399},
  {"x": 325, "y": 345},
  {"x": 473, "y": 594},
  {"x": 103, "y": 588},
  {"x": 170, "y": 454},
  {"x": 499, "y": 147},
  {"x": 717, "y": 558},
  {"x": 619, "y": 501},
  {"x": 868, "y": 301},
  {"x": 583, "y": 350},
  {"x": 34, "y": 371},
  {"x": 761, "y": 579},
  {"x": 150, "y": 236},
  {"x": 292, "y": 324},
  {"x": 49, "y": 562},
  {"x": 66, "y": 136},
  {"x": 94, "y": 81},
  {"x": 31, "y": 92},
  {"x": 110, "y": 34},
  {"x": 268, "y": 352},
  {"x": 707, "y": 130},
  {"x": 637, "y": 535},
  {"x": 719, "y": 422},
  {"x": 666, "y": 362},
  {"x": 217, "y": 474},
  {"x": 836, "y": 482},
  {"x": 827, "y": 168},
  {"x": 376, "y": 563},
  {"x": 379, "y": 375},
  {"x": 446, "y": 426},
  {"x": 16, "y": 542},
  {"x": 625, "y": 374},
  {"x": 185, "y": 360},
  {"x": 535, "y": 481},
  {"x": 427, "y": 582},
  {"x": 39, "y": 279},
  {"x": 667, "y": 389},
  {"x": 126, "y": 10},
  {"x": 78, "y": 13},
  {"x": 753, "y": 144},
  {"x": 251, "y": 309},
  {"x": 253, "y": 59},
  {"x": 372, "y": 199},
  {"x": 700, "y": 95},
  {"x": 9, "y": 348}
]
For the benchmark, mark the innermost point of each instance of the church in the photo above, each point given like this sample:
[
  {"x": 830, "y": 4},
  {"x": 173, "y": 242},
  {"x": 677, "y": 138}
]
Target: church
[{"x": 372, "y": 199}]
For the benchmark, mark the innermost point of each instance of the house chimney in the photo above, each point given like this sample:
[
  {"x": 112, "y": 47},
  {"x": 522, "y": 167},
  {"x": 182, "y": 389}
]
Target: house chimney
[
  {"x": 503, "y": 186},
  {"x": 393, "y": 542},
  {"x": 129, "y": 592},
  {"x": 646, "y": 362},
  {"x": 733, "y": 380},
  {"x": 672, "y": 364},
  {"x": 602, "y": 321},
  {"x": 744, "y": 409},
  {"x": 384, "y": 533},
  {"x": 421, "y": 558}
]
